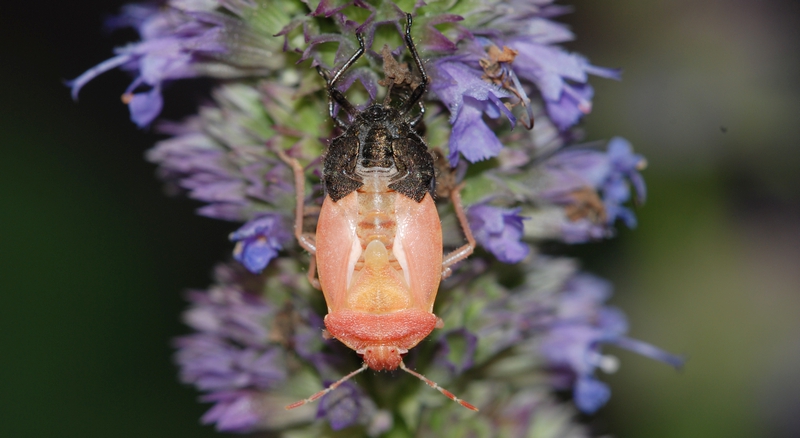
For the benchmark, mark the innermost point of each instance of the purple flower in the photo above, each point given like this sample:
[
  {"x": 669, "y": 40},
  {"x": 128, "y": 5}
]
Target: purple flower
[
  {"x": 230, "y": 355},
  {"x": 561, "y": 77},
  {"x": 172, "y": 40},
  {"x": 258, "y": 241},
  {"x": 191, "y": 160},
  {"x": 230, "y": 350},
  {"x": 228, "y": 312},
  {"x": 499, "y": 230},
  {"x": 625, "y": 167},
  {"x": 580, "y": 326},
  {"x": 591, "y": 394},
  {"x": 235, "y": 176},
  {"x": 591, "y": 186},
  {"x": 468, "y": 97},
  {"x": 342, "y": 408},
  {"x": 527, "y": 30},
  {"x": 179, "y": 40},
  {"x": 212, "y": 363},
  {"x": 233, "y": 411}
]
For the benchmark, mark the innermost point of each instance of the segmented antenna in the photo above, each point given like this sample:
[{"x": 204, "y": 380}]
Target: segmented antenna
[
  {"x": 330, "y": 388},
  {"x": 436, "y": 386},
  {"x": 403, "y": 367}
]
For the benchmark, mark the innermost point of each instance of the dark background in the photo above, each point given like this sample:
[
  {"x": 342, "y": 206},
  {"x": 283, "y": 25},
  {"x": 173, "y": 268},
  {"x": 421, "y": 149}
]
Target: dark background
[{"x": 93, "y": 256}]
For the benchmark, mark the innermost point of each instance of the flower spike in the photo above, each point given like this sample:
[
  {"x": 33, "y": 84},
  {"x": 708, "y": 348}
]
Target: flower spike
[{"x": 277, "y": 149}]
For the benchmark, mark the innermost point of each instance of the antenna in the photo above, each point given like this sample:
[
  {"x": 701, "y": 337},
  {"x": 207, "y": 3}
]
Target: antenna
[
  {"x": 403, "y": 367},
  {"x": 330, "y": 388},
  {"x": 436, "y": 386}
]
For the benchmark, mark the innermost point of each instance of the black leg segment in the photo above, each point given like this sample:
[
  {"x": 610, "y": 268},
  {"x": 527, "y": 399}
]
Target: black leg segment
[
  {"x": 335, "y": 95},
  {"x": 416, "y": 95}
]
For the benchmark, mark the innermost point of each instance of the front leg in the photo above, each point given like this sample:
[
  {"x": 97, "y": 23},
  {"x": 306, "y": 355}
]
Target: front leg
[
  {"x": 335, "y": 95},
  {"x": 306, "y": 240},
  {"x": 466, "y": 250}
]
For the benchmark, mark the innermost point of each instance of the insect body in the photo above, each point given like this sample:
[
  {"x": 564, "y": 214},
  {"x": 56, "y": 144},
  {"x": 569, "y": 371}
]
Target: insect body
[{"x": 378, "y": 245}]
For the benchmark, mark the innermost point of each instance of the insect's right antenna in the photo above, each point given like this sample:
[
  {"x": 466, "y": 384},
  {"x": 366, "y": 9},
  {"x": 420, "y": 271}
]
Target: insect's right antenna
[
  {"x": 330, "y": 388},
  {"x": 436, "y": 386}
]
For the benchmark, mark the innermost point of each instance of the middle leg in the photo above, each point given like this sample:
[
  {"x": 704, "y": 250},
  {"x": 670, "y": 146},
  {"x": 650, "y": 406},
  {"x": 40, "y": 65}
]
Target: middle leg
[
  {"x": 466, "y": 250},
  {"x": 306, "y": 240}
]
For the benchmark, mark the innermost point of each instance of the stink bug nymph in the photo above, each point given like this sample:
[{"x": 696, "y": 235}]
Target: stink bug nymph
[{"x": 378, "y": 246}]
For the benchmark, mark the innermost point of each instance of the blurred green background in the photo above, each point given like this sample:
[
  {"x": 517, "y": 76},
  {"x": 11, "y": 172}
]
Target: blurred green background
[{"x": 94, "y": 257}]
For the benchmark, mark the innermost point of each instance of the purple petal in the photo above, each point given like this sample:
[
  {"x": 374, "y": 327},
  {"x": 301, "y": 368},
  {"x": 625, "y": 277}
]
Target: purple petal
[
  {"x": 132, "y": 15},
  {"x": 342, "y": 407},
  {"x": 650, "y": 351},
  {"x": 435, "y": 40},
  {"x": 624, "y": 214},
  {"x": 500, "y": 231},
  {"x": 224, "y": 211},
  {"x": 612, "y": 322},
  {"x": 543, "y": 31},
  {"x": 78, "y": 83},
  {"x": 256, "y": 255},
  {"x": 145, "y": 107},
  {"x": 616, "y": 189},
  {"x": 628, "y": 164},
  {"x": 455, "y": 80},
  {"x": 547, "y": 66},
  {"x": 205, "y": 187},
  {"x": 582, "y": 231},
  {"x": 229, "y": 312},
  {"x": 468, "y": 96},
  {"x": 604, "y": 72},
  {"x": 574, "y": 103},
  {"x": 471, "y": 136},
  {"x": 235, "y": 411},
  {"x": 572, "y": 346},
  {"x": 560, "y": 76},
  {"x": 258, "y": 241},
  {"x": 582, "y": 296},
  {"x": 591, "y": 394}
]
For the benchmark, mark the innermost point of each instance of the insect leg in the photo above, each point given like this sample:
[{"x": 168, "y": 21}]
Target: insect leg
[
  {"x": 465, "y": 251},
  {"x": 337, "y": 121},
  {"x": 335, "y": 95},
  {"x": 312, "y": 273},
  {"x": 418, "y": 118},
  {"x": 306, "y": 240},
  {"x": 416, "y": 95}
]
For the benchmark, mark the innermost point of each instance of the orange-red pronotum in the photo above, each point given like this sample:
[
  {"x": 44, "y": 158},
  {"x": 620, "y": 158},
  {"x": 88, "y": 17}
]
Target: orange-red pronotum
[{"x": 378, "y": 245}]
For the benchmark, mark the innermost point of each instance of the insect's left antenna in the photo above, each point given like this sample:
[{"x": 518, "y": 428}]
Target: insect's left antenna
[
  {"x": 330, "y": 388},
  {"x": 436, "y": 386}
]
